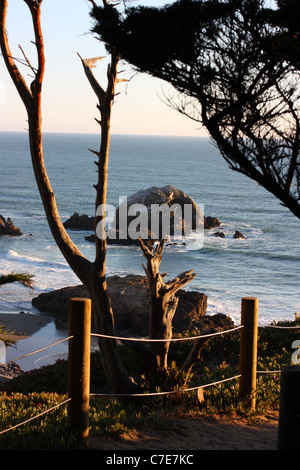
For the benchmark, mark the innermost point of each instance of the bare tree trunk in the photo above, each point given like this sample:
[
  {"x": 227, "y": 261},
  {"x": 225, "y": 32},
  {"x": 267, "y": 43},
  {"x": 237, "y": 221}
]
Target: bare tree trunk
[
  {"x": 163, "y": 302},
  {"x": 163, "y": 305},
  {"x": 104, "y": 319},
  {"x": 114, "y": 369},
  {"x": 91, "y": 274}
]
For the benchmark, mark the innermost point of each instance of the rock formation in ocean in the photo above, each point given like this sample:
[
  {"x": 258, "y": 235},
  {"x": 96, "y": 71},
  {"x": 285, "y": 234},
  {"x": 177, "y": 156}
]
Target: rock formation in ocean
[
  {"x": 130, "y": 303},
  {"x": 211, "y": 222},
  {"x": 159, "y": 205},
  {"x": 8, "y": 228},
  {"x": 80, "y": 222},
  {"x": 182, "y": 211},
  {"x": 219, "y": 234},
  {"x": 238, "y": 235}
]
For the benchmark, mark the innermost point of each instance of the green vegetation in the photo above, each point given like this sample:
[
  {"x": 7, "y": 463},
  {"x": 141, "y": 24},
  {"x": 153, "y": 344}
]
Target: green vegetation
[
  {"x": 40, "y": 389},
  {"x": 27, "y": 281},
  {"x": 3, "y": 336},
  {"x": 23, "y": 278}
]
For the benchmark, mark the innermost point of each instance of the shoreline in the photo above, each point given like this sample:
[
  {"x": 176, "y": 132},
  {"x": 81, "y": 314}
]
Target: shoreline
[
  {"x": 25, "y": 324},
  {"x": 22, "y": 325},
  {"x": 30, "y": 332},
  {"x": 33, "y": 332}
]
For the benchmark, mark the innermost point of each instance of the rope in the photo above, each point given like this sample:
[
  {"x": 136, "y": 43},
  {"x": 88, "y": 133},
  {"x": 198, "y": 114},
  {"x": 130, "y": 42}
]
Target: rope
[
  {"x": 129, "y": 339},
  {"x": 269, "y": 372},
  {"x": 39, "y": 350},
  {"x": 35, "y": 417},
  {"x": 165, "y": 340},
  {"x": 160, "y": 393},
  {"x": 280, "y": 327}
]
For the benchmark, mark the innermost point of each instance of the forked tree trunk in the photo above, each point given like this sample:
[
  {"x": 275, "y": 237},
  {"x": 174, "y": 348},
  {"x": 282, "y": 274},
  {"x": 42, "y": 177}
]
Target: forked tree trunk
[
  {"x": 163, "y": 305},
  {"x": 163, "y": 301}
]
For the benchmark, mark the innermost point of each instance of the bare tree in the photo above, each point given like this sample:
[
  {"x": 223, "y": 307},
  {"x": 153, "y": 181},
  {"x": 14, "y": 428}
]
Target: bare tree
[
  {"x": 163, "y": 302},
  {"x": 220, "y": 57}
]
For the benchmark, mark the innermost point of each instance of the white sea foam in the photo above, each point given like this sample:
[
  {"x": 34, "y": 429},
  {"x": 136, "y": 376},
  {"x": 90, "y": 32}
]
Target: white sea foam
[{"x": 31, "y": 260}]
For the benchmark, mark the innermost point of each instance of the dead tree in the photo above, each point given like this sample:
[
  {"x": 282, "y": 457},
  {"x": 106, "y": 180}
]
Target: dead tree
[
  {"x": 92, "y": 274},
  {"x": 163, "y": 304},
  {"x": 163, "y": 301}
]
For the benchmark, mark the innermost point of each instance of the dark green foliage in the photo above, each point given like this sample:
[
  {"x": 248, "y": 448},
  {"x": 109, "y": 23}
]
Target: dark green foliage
[
  {"x": 277, "y": 342},
  {"x": 288, "y": 15},
  {"x": 286, "y": 43},
  {"x": 54, "y": 378},
  {"x": 47, "y": 432},
  {"x": 23, "y": 278},
  {"x": 232, "y": 63},
  {"x": 107, "y": 20},
  {"x": 221, "y": 352},
  {"x": 149, "y": 37}
]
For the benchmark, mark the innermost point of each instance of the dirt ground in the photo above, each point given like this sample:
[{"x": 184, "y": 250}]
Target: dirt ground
[{"x": 201, "y": 433}]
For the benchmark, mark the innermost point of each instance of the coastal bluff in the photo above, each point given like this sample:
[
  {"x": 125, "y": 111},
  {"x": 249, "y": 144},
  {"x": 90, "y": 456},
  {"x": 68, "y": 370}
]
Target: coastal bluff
[{"x": 130, "y": 303}]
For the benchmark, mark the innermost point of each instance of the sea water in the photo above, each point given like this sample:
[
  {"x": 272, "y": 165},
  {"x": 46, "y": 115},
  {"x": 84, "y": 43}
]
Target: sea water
[{"x": 265, "y": 264}]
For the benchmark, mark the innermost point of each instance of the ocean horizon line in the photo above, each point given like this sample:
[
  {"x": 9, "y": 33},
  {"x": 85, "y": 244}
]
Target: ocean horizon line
[{"x": 112, "y": 134}]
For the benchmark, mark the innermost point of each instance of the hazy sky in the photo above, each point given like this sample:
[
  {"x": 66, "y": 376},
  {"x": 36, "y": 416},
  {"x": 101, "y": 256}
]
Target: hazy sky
[{"x": 69, "y": 104}]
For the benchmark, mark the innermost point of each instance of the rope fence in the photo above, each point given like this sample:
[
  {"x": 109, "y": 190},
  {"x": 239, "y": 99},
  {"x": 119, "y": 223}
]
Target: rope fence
[
  {"x": 39, "y": 350},
  {"x": 152, "y": 394},
  {"x": 79, "y": 361},
  {"x": 148, "y": 340},
  {"x": 280, "y": 327},
  {"x": 151, "y": 340}
]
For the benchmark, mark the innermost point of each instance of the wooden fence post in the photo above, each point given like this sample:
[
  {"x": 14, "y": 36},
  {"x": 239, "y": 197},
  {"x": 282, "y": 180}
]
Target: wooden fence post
[
  {"x": 289, "y": 409},
  {"x": 248, "y": 350},
  {"x": 79, "y": 367}
]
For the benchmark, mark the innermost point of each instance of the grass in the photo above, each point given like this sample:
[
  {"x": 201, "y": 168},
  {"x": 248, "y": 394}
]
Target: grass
[{"x": 40, "y": 389}]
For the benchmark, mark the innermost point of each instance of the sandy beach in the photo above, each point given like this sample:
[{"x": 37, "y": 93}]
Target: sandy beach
[
  {"x": 23, "y": 325},
  {"x": 33, "y": 332}
]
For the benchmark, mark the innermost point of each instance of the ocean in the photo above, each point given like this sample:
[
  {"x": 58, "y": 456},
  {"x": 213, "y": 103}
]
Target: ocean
[{"x": 265, "y": 264}]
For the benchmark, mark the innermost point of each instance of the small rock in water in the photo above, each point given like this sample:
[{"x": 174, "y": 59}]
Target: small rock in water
[
  {"x": 8, "y": 228},
  {"x": 238, "y": 235},
  {"x": 219, "y": 234}
]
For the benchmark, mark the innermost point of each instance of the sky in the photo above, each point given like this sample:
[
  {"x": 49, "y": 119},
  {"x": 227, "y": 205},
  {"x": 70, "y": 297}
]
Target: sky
[{"x": 69, "y": 104}]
